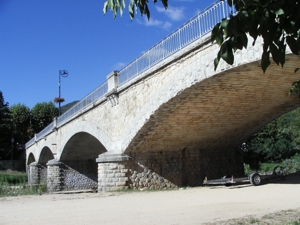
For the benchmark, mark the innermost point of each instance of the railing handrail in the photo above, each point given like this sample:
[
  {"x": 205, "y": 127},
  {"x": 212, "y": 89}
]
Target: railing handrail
[{"x": 161, "y": 51}]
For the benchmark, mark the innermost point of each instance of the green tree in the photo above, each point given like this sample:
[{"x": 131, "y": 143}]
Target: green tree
[
  {"x": 20, "y": 117},
  {"x": 278, "y": 140},
  {"x": 42, "y": 115},
  {"x": 5, "y": 128}
]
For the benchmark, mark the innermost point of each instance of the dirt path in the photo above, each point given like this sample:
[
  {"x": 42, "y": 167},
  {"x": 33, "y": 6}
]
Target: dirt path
[{"x": 189, "y": 206}]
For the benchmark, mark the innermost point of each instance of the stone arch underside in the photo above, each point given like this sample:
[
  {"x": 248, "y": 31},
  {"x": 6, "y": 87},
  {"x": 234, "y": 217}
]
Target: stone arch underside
[
  {"x": 78, "y": 157},
  {"x": 196, "y": 133},
  {"x": 30, "y": 159},
  {"x": 45, "y": 155}
]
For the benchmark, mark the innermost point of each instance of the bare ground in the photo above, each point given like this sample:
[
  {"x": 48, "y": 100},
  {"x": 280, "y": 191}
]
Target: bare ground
[{"x": 273, "y": 203}]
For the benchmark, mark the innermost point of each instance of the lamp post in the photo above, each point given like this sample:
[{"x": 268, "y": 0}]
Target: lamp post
[{"x": 61, "y": 73}]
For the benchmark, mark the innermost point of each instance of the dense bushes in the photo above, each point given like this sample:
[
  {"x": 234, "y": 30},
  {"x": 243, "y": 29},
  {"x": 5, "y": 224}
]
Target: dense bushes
[
  {"x": 291, "y": 165},
  {"x": 276, "y": 141}
]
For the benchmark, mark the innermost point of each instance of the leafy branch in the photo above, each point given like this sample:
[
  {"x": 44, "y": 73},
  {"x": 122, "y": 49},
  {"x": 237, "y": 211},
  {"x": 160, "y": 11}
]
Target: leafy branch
[
  {"x": 276, "y": 21},
  {"x": 134, "y": 7}
]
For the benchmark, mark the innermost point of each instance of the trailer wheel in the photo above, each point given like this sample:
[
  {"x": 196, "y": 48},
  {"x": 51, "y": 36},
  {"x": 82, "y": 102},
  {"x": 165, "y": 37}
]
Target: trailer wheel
[{"x": 255, "y": 179}]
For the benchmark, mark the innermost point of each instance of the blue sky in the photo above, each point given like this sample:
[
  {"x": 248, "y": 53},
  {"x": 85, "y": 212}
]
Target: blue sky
[{"x": 39, "y": 38}]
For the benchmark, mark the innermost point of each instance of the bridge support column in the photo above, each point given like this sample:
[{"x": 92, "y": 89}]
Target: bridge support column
[
  {"x": 113, "y": 172},
  {"x": 55, "y": 176},
  {"x": 34, "y": 174}
]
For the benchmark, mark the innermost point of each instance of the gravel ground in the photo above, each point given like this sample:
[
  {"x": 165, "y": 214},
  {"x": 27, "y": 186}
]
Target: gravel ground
[{"x": 273, "y": 203}]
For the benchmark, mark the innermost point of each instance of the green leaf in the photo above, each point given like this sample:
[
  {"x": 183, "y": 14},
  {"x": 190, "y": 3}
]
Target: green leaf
[
  {"x": 275, "y": 53},
  {"x": 217, "y": 34},
  {"x": 224, "y": 23},
  {"x": 165, "y": 3},
  {"x": 293, "y": 45},
  {"x": 279, "y": 12},
  {"x": 226, "y": 52},
  {"x": 216, "y": 62},
  {"x": 265, "y": 60}
]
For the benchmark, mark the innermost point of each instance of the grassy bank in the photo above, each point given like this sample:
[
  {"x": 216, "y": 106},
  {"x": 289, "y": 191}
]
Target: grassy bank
[{"x": 13, "y": 183}]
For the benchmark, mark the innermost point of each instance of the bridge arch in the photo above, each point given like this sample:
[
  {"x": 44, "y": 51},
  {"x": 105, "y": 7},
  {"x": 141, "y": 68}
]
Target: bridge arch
[
  {"x": 251, "y": 99},
  {"x": 78, "y": 155},
  {"x": 202, "y": 126},
  {"x": 45, "y": 155},
  {"x": 30, "y": 159},
  {"x": 84, "y": 135}
]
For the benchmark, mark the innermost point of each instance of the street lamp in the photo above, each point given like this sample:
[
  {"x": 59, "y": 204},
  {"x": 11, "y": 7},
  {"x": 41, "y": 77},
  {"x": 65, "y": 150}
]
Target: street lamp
[{"x": 61, "y": 73}]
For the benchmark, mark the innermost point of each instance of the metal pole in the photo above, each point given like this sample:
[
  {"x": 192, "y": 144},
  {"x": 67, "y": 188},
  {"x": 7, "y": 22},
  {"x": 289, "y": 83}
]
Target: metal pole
[{"x": 59, "y": 111}]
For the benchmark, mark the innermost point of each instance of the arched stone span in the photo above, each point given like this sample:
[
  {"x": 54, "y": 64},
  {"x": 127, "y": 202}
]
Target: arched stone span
[
  {"x": 30, "y": 159},
  {"x": 228, "y": 106},
  {"x": 82, "y": 146},
  {"x": 202, "y": 126},
  {"x": 78, "y": 160},
  {"x": 46, "y": 155},
  {"x": 76, "y": 136}
]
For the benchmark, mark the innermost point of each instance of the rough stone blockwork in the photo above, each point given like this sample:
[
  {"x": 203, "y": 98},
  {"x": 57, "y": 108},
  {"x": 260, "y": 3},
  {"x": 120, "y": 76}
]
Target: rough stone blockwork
[
  {"x": 38, "y": 174},
  {"x": 71, "y": 176},
  {"x": 43, "y": 174},
  {"x": 55, "y": 179},
  {"x": 112, "y": 176},
  {"x": 189, "y": 167}
]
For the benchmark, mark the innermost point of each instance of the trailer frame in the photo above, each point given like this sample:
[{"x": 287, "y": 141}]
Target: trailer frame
[{"x": 254, "y": 178}]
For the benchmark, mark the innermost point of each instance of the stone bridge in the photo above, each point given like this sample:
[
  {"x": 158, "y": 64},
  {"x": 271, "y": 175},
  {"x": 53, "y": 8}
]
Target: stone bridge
[{"x": 170, "y": 126}]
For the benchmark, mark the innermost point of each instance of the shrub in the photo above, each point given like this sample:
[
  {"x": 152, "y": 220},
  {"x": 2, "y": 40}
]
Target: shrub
[{"x": 291, "y": 165}]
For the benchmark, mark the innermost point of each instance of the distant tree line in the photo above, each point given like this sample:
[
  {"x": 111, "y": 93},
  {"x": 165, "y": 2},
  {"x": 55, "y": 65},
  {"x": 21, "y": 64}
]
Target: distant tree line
[{"x": 19, "y": 123}]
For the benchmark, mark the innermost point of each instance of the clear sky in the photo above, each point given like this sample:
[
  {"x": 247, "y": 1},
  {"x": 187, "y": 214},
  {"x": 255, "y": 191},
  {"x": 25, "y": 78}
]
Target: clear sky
[{"x": 40, "y": 37}]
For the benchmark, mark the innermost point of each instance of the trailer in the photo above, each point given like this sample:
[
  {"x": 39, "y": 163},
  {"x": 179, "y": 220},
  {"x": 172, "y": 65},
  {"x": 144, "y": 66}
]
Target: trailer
[{"x": 254, "y": 178}]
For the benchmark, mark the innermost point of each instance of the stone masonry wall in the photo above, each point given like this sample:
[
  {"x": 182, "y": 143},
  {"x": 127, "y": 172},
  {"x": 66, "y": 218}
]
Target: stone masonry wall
[
  {"x": 55, "y": 178},
  {"x": 189, "y": 167},
  {"x": 113, "y": 176},
  {"x": 76, "y": 180},
  {"x": 43, "y": 174},
  {"x": 70, "y": 176},
  {"x": 168, "y": 170}
]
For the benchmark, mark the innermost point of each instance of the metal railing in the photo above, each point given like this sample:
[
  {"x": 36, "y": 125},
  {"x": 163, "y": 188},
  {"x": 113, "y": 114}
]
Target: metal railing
[
  {"x": 192, "y": 30},
  {"x": 86, "y": 101}
]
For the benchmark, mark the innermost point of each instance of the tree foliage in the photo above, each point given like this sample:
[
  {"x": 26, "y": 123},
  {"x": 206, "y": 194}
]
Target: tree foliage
[
  {"x": 42, "y": 115},
  {"x": 20, "y": 118},
  {"x": 5, "y": 128},
  {"x": 133, "y": 8},
  {"x": 278, "y": 140},
  {"x": 276, "y": 21}
]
